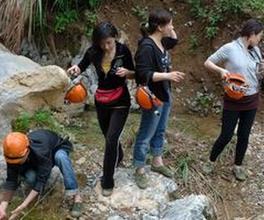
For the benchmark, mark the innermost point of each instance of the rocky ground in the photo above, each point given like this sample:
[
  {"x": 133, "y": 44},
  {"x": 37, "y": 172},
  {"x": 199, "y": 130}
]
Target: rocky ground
[{"x": 187, "y": 147}]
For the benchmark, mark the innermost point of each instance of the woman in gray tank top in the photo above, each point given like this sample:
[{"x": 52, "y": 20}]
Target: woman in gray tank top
[{"x": 239, "y": 56}]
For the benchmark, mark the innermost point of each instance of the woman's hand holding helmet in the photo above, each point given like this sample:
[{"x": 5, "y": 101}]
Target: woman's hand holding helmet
[
  {"x": 74, "y": 70},
  {"x": 224, "y": 73}
]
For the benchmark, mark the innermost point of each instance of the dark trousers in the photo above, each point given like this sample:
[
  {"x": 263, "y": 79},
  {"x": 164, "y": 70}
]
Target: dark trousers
[
  {"x": 229, "y": 121},
  {"x": 111, "y": 121}
]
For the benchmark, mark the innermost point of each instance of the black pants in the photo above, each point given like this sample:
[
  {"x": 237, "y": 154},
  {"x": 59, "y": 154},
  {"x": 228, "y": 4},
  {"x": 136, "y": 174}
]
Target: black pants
[
  {"x": 229, "y": 121},
  {"x": 111, "y": 122}
]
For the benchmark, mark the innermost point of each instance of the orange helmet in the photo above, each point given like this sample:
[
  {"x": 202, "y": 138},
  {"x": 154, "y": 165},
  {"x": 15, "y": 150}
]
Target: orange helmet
[
  {"x": 235, "y": 86},
  {"x": 76, "y": 94},
  {"x": 16, "y": 147},
  {"x": 146, "y": 99}
]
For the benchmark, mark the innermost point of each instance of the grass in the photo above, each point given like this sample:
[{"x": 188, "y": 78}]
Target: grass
[{"x": 42, "y": 118}]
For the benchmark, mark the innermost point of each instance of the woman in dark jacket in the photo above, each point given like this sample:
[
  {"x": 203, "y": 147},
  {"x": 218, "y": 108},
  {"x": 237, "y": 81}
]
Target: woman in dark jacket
[
  {"x": 153, "y": 68},
  {"x": 114, "y": 64}
]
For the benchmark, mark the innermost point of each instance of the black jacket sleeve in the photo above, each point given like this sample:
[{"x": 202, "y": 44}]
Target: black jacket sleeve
[
  {"x": 145, "y": 64},
  {"x": 169, "y": 42},
  {"x": 128, "y": 60},
  {"x": 43, "y": 172},
  {"x": 85, "y": 62},
  {"x": 12, "y": 180}
]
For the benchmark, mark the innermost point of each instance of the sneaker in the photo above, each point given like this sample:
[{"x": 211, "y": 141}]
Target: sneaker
[
  {"x": 141, "y": 180},
  {"x": 240, "y": 173},
  {"x": 107, "y": 192},
  {"x": 76, "y": 210},
  {"x": 208, "y": 167},
  {"x": 165, "y": 171}
]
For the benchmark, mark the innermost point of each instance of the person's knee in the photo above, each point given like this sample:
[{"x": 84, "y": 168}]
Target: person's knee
[
  {"x": 112, "y": 140},
  {"x": 226, "y": 137},
  {"x": 242, "y": 137},
  {"x": 60, "y": 156}
]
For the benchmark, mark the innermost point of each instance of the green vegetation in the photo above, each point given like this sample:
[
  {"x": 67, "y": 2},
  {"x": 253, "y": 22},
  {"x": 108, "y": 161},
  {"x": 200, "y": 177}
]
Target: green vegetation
[
  {"x": 39, "y": 18},
  {"x": 41, "y": 118},
  {"x": 183, "y": 163},
  {"x": 218, "y": 11},
  {"x": 90, "y": 20},
  {"x": 63, "y": 19},
  {"x": 141, "y": 13},
  {"x": 194, "y": 43},
  {"x": 204, "y": 103}
]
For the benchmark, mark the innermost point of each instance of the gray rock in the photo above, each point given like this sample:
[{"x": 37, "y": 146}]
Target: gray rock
[
  {"x": 193, "y": 207},
  {"x": 128, "y": 195},
  {"x": 26, "y": 86},
  {"x": 115, "y": 217}
]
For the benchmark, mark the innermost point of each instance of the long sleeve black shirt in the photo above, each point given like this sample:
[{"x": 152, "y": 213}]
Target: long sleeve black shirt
[
  {"x": 123, "y": 58},
  {"x": 149, "y": 59},
  {"x": 43, "y": 146}
]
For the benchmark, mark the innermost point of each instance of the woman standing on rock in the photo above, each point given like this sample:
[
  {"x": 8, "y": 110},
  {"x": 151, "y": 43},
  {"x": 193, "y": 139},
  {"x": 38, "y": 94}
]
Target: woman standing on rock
[
  {"x": 153, "y": 68},
  {"x": 239, "y": 56},
  {"x": 114, "y": 64}
]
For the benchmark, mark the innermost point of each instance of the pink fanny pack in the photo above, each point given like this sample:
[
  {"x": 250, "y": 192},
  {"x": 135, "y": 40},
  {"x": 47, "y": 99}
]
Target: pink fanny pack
[{"x": 109, "y": 96}]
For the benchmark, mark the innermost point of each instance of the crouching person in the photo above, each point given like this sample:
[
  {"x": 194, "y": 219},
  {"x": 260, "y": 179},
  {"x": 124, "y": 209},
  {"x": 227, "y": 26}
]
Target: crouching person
[{"x": 31, "y": 157}]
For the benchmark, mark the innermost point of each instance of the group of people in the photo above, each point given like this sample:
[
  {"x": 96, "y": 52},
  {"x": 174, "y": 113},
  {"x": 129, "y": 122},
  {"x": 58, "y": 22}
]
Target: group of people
[{"x": 114, "y": 65}]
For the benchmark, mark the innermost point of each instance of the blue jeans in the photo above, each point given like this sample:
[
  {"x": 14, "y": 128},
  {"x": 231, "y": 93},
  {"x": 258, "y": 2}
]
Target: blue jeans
[
  {"x": 62, "y": 160},
  {"x": 151, "y": 133}
]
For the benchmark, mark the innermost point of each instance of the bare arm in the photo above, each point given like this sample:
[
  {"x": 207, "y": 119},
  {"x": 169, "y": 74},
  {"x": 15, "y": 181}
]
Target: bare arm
[
  {"x": 174, "y": 76},
  {"x": 215, "y": 68},
  {"x": 122, "y": 72},
  {"x": 31, "y": 196},
  {"x": 6, "y": 197}
]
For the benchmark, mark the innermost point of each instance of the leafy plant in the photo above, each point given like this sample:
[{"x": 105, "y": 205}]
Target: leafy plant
[
  {"x": 22, "y": 122},
  {"x": 204, "y": 103},
  {"x": 90, "y": 20},
  {"x": 194, "y": 43},
  {"x": 210, "y": 32},
  {"x": 41, "y": 118},
  {"x": 213, "y": 14},
  {"x": 183, "y": 163},
  {"x": 141, "y": 13},
  {"x": 63, "y": 19},
  {"x": 94, "y": 3}
]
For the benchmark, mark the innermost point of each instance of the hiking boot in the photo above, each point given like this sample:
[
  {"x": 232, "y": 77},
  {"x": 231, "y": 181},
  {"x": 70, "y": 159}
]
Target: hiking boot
[
  {"x": 107, "y": 192},
  {"x": 76, "y": 210},
  {"x": 208, "y": 167},
  {"x": 239, "y": 173},
  {"x": 141, "y": 180},
  {"x": 165, "y": 171}
]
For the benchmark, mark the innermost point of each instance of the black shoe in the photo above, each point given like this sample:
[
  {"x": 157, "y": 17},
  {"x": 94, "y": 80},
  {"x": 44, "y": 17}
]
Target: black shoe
[{"x": 86, "y": 107}]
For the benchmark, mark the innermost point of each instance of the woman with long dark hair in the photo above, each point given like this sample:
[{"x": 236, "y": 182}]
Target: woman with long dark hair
[
  {"x": 114, "y": 64},
  {"x": 153, "y": 69},
  {"x": 239, "y": 56}
]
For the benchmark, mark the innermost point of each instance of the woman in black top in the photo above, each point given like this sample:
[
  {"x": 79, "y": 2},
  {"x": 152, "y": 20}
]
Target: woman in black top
[
  {"x": 153, "y": 68},
  {"x": 114, "y": 64}
]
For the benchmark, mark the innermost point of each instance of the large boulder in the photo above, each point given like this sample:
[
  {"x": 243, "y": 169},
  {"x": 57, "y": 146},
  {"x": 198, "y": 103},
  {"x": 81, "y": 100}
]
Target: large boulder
[
  {"x": 154, "y": 203},
  {"x": 27, "y": 86}
]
